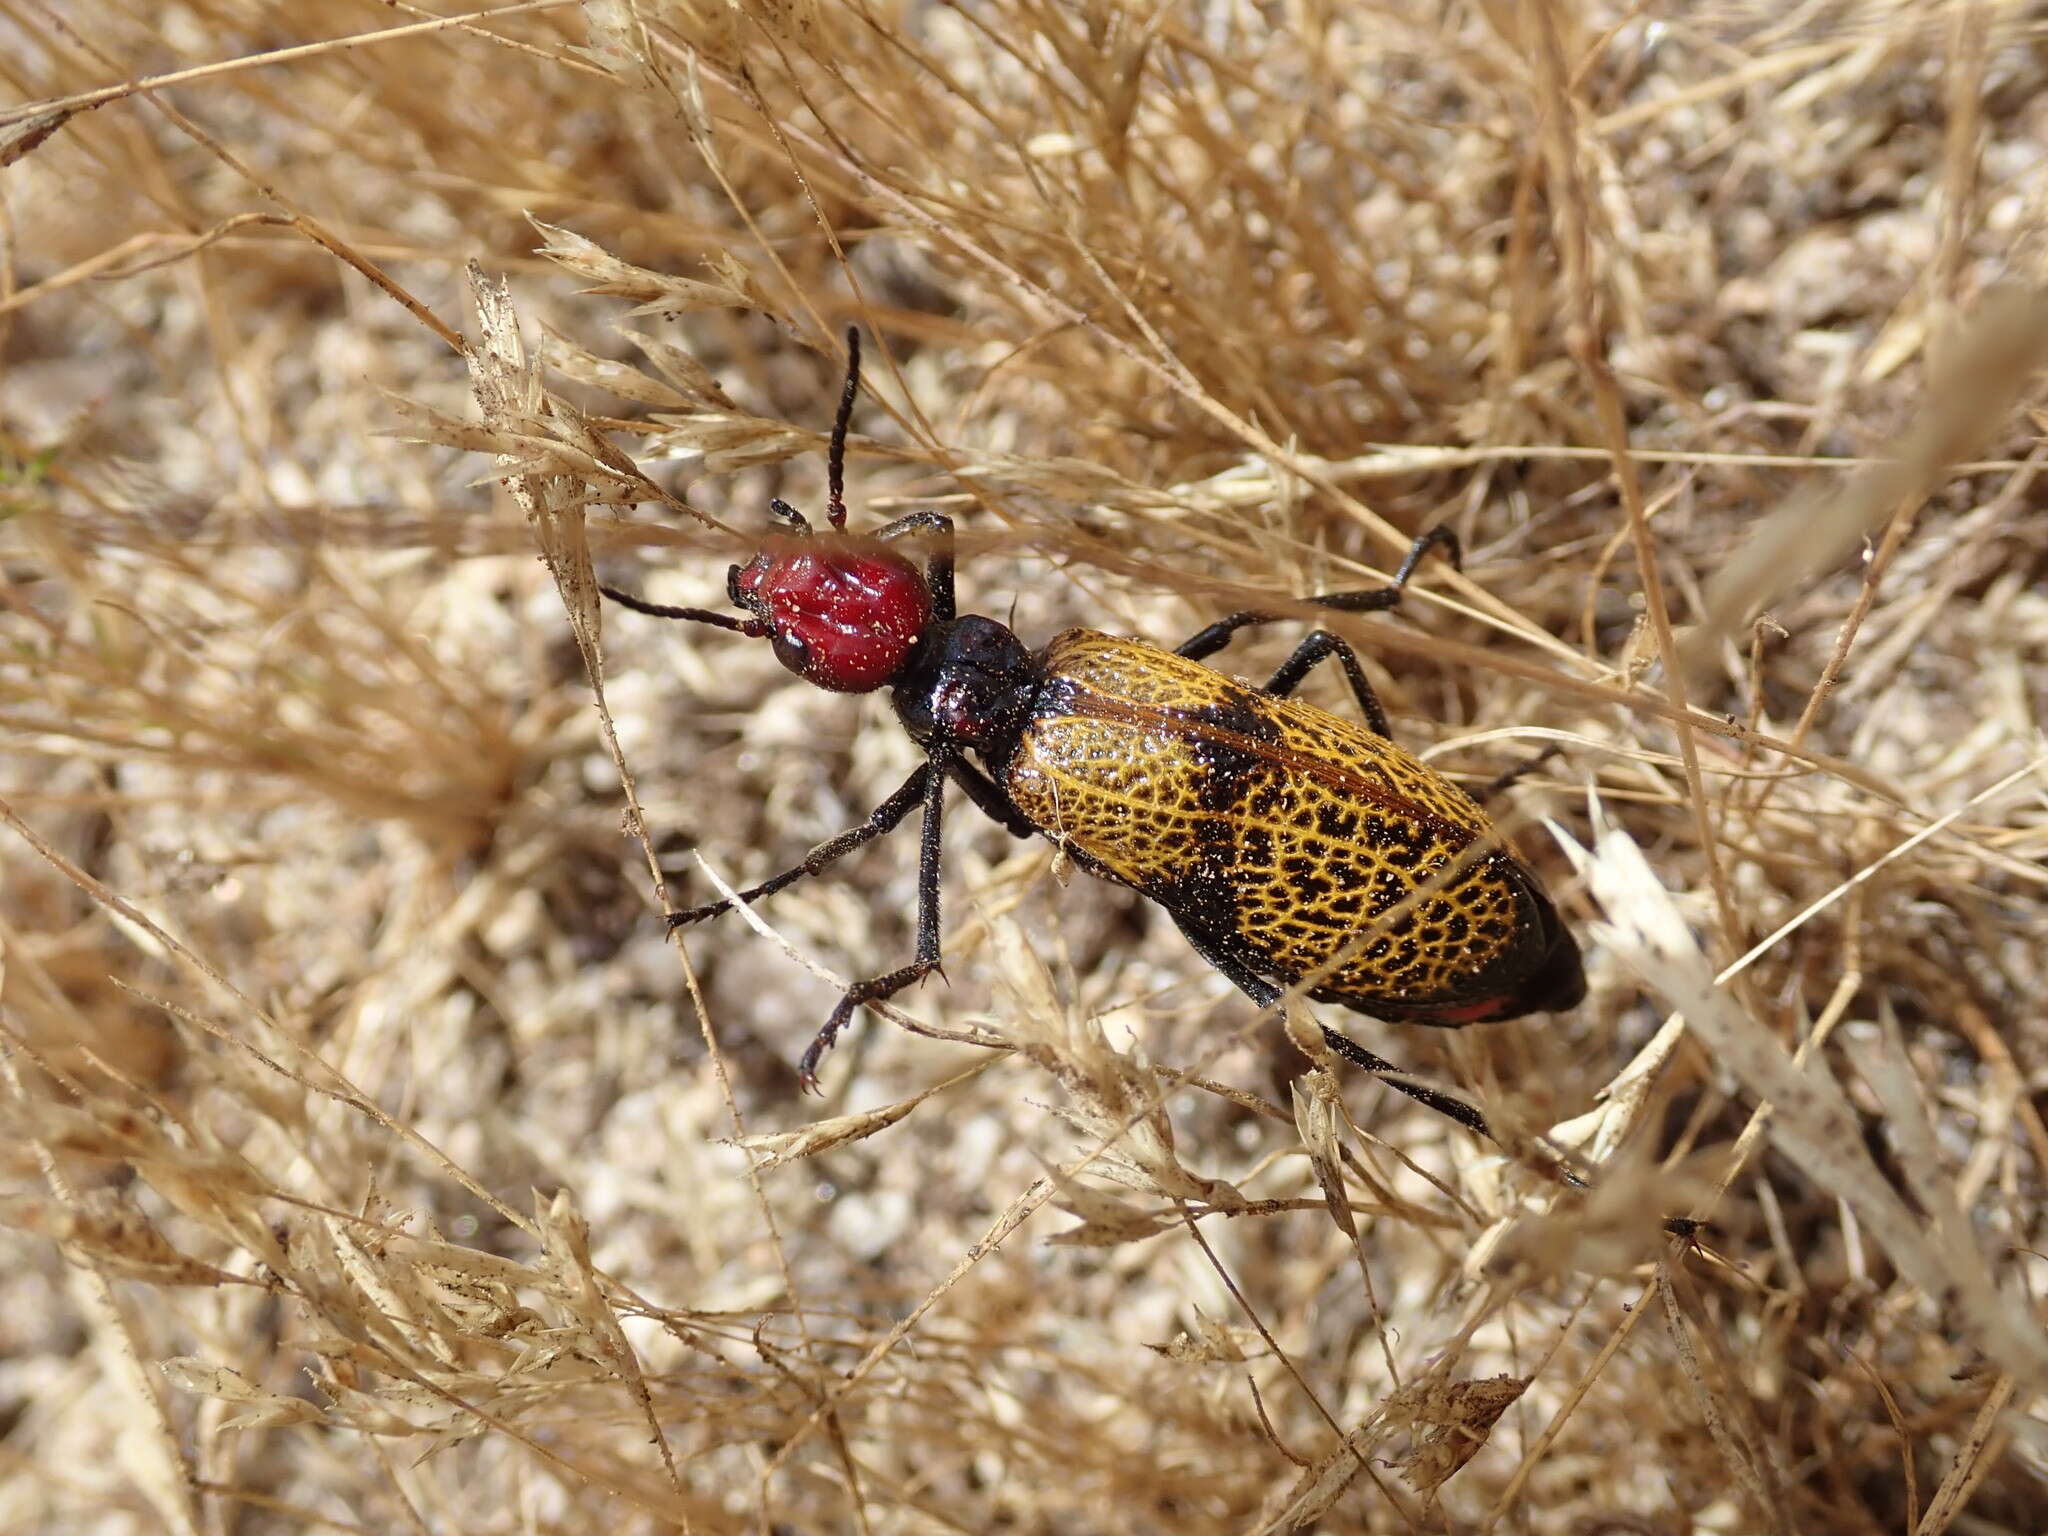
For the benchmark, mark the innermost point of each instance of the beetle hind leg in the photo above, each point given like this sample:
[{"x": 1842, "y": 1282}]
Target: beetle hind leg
[
  {"x": 1378, "y": 1066},
  {"x": 1266, "y": 994},
  {"x": 1501, "y": 783}
]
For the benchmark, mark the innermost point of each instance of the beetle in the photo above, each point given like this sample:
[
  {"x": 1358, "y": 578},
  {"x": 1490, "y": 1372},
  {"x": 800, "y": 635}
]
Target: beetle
[{"x": 1278, "y": 835}]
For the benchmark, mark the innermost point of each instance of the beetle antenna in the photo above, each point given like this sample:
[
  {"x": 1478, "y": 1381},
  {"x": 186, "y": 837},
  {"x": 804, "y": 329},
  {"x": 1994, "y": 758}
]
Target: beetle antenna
[
  {"x": 754, "y": 627},
  {"x": 782, "y": 509},
  {"x": 835, "y": 461}
]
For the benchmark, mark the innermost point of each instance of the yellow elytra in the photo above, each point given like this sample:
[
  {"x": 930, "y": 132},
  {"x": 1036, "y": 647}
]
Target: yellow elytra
[{"x": 1278, "y": 833}]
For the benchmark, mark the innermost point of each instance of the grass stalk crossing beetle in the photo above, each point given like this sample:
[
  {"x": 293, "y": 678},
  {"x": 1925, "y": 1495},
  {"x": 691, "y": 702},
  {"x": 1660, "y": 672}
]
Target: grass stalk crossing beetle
[{"x": 1276, "y": 833}]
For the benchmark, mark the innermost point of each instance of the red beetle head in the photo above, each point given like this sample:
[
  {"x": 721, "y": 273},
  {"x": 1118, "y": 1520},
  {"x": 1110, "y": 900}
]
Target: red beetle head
[{"x": 843, "y": 614}]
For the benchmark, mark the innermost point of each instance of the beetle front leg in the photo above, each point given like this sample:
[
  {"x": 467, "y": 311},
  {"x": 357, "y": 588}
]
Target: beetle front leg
[
  {"x": 938, "y": 565},
  {"x": 877, "y": 988},
  {"x": 884, "y": 818}
]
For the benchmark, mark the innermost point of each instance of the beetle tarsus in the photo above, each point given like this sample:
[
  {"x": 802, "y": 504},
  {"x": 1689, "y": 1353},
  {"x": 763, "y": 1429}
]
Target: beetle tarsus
[
  {"x": 814, "y": 1053},
  {"x": 874, "y": 990},
  {"x": 1443, "y": 537},
  {"x": 938, "y": 565},
  {"x": 1501, "y": 783}
]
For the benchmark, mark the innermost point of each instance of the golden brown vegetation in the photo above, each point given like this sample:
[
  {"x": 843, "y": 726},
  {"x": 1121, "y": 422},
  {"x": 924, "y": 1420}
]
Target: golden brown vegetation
[{"x": 373, "y": 1165}]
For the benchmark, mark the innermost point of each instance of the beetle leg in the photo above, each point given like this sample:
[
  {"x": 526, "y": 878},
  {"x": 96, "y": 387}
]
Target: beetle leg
[
  {"x": 1378, "y": 599},
  {"x": 1503, "y": 782},
  {"x": 938, "y": 566},
  {"x": 1312, "y": 650},
  {"x": 1317, "y": 647},
  {"x": 884, "y": 818},
  {"x": 877, "y": 988},
  {"x": 1443, "y": 1103},
  {"x": 990, "y": 800},
  {"x": 1207, "y": 642},
  {"x": 1322, "y": 643},
  {"x": 1265, "y": 994}
]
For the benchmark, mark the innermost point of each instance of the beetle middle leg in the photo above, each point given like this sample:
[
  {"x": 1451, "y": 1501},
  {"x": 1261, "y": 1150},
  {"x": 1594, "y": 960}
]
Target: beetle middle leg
[
  {"x": 877, "y": 988},
  {"x": 1266, "y": 994},
  {"x": 1322, "y": 644},
  {"x": 990, "y": 800}
]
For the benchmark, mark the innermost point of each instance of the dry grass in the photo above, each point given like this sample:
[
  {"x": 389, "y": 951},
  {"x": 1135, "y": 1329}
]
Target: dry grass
[{"x": 376, "y": 1166}]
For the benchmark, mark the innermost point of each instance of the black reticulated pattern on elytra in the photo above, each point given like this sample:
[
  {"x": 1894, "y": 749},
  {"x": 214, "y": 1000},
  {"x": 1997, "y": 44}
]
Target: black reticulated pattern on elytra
[
  {"x": 1226, "y": 773},
  {"x": 1240, "y": 716},
  {"x": 1281, "y": 833},
  {"x": 1205, "y": 904}
]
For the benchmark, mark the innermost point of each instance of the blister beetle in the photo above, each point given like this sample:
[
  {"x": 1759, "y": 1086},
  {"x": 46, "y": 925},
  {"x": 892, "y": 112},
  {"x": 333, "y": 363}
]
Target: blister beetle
[{"x": 1276, "y": 833}]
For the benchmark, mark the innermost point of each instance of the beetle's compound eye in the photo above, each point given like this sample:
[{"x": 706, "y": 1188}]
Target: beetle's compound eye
[
  {"x": 741, "y": 582},
  {"x": 789, "y": 650}
]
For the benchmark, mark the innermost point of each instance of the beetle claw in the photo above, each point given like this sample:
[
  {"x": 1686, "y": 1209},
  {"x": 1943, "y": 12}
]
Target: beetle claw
[
  {"x": 807, "y": 1065},
  {"x": 807, "y": 1068}
]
